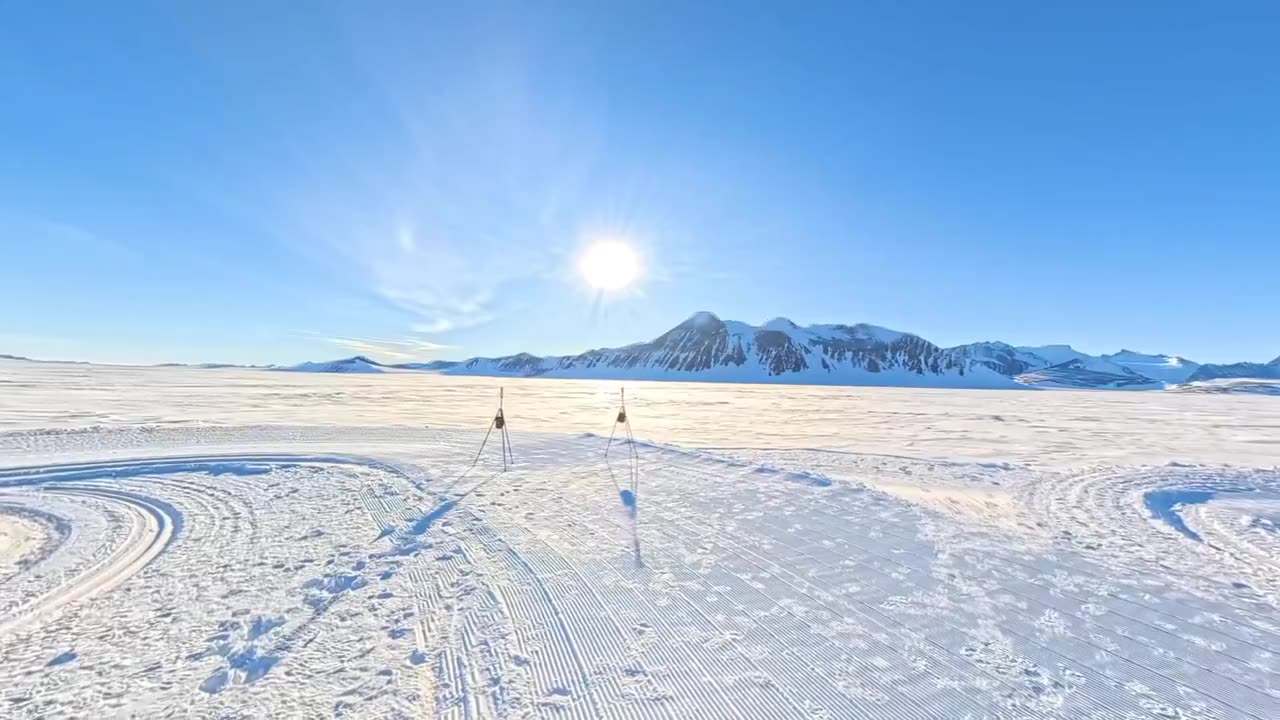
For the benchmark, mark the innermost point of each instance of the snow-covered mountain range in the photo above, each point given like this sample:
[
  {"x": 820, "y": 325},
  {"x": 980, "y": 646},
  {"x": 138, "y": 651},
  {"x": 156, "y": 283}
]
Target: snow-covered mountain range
[
  {"x": 363, "y": 364},
  {"x": 1269, "y": 371},
  {"x": 706, "y": 348},
  {"x": 1165, "y": 368},
  {"x": 357, "y": 364}
]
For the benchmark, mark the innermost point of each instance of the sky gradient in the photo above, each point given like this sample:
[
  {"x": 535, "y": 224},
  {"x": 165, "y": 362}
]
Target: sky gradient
[{"x": 275, "y": 182}]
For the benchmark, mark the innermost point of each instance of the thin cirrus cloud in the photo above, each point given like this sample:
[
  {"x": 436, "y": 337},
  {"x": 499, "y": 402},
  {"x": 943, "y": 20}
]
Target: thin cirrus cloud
[
  {"x": 436, "y": 284},
  {"x": 441, "y": 215},
  {"x": 438, "y": 325},
  {"x": 441, "y": 305},
  {"x": 404, "y": 349}
]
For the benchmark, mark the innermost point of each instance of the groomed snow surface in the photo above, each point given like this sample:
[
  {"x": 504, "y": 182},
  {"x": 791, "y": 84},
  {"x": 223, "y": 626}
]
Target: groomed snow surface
[{"x": 177, "y": 562}]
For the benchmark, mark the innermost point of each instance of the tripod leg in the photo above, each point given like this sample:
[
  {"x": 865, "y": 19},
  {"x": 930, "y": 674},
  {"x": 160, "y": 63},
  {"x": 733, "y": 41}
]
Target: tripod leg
[
  {"x": 634, "y": 458},
  {"x": 457, "y": 480},
  {"x": 508, "y": 453},
  {"x": 609, "y": 445}
]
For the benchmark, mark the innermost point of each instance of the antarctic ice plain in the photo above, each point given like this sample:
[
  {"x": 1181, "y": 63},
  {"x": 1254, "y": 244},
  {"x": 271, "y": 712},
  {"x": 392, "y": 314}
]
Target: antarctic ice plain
[{"x": 209, "y": 543}]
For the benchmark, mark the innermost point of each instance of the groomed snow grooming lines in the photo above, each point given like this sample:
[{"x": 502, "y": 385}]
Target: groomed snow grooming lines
[{"x": 626, "y": 494}]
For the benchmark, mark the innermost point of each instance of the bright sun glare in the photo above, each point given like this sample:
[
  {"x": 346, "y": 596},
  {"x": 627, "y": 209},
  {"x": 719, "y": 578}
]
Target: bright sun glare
[{"x": 609, "y": 265}]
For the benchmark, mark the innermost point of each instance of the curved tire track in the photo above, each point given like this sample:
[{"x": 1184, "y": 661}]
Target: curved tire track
[{"x": 155, "y": 524}]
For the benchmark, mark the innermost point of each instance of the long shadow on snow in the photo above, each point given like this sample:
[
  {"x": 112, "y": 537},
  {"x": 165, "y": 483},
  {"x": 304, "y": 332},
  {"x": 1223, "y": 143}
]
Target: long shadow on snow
[{"x": 404, "y": 539}]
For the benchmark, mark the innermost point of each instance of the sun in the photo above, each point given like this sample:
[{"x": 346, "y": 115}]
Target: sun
[{"x": 609, "y": 265}]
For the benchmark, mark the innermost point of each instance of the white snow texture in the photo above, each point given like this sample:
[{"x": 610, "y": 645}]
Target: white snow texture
[{"x": 245, "y": 543}]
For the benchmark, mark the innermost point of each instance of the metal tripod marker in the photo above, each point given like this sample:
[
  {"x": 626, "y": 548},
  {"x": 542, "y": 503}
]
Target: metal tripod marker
[
  {"x": 508, "y": 457},
  {"x": 500, "y": 422}
]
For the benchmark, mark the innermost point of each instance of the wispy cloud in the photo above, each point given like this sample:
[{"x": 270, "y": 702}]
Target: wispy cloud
[
  {"x": 440, "y": 279},
  {"x": 438, "y": 325},
  {"x": 34, "y": 228},
  {"x": 403, "y": 349},
  {"x": 477, "y": 201}
]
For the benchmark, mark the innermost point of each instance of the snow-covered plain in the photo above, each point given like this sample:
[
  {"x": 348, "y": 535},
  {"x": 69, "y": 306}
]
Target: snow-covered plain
[{"x": 239, "y": 543}]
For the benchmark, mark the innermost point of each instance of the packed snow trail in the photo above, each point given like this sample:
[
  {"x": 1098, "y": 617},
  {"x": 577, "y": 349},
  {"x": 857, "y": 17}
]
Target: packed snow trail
[
  {"x": 151, "y": 527},
  {"x": 302, "y": 572}
]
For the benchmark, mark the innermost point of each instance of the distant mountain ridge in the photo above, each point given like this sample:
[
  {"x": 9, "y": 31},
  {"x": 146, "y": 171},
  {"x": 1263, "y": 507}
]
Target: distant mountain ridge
[
  {"x": 1267, "y": 371},
  {"x": 362, "y": 364},
  {"x": 706, "y": 348},
  {"x": 1089, "y": 373},
  {"x": 1165, "y": 368},
  {"x": 356, "y": 364}
]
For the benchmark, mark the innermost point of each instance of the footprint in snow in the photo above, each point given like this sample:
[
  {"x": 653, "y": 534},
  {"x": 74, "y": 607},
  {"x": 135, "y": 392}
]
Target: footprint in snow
[{"x": 559, "y": 695}]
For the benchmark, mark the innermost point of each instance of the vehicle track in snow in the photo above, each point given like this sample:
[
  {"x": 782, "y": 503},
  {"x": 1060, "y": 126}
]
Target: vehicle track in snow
[
  {"x": 152, "y": 526},
  {"x": 1156, "y": 637},
  {"x": 812, "y": 590},
  {"x": 765, "y": 592},
  {"x": 157, "y": 545},
  {"x": 747, "y": 557}
]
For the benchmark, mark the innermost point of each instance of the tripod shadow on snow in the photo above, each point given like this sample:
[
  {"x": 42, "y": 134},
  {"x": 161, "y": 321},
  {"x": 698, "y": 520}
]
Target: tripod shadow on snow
[
  {"x": 407, "y": 539},
  {"x": 424, "y": 523},
  {"x": 629, "y": 504}
]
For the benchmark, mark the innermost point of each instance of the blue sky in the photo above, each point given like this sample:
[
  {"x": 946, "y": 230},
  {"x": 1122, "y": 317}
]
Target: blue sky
[{"x": 273, "y": 182}]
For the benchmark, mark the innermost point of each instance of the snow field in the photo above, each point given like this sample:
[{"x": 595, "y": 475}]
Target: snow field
[
  {"x": 174, "y": 543},
  {"x": 1040, "y": 429},
  {"x": 176, "y": 585},
  {"x": 301, "y": 572}
]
